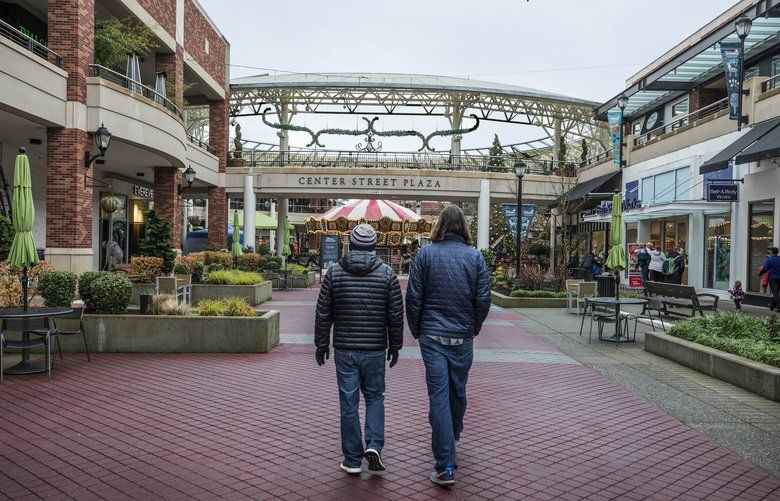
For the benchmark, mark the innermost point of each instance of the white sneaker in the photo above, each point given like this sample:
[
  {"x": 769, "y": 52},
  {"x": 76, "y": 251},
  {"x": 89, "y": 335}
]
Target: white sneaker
[
  {"x": 374, "y": 460},
  {"x": 353, "y": 470}
]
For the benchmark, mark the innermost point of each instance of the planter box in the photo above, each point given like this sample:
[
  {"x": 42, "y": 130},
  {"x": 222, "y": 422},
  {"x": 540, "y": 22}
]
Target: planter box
[
  {"x": 311, "y": 277},
  {"x": 254, "y": 294},
  {"x": 503, "y": 301},
  {"x": 755, "y": 377},
  {"x": 176, "y": 334}
]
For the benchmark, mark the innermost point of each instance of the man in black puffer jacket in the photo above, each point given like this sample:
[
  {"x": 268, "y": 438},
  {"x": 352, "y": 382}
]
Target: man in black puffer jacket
[{"x": 361, "y": 299}]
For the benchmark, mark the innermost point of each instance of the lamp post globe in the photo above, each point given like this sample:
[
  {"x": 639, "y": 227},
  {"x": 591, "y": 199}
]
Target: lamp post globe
[
  {"x": 102, "y": 138},
  {"x": 189, "y": 175},
  {"x": 622, "y": 102},
  {"x": 742, "y": 26},
  {"x": 520, "y": 168}
]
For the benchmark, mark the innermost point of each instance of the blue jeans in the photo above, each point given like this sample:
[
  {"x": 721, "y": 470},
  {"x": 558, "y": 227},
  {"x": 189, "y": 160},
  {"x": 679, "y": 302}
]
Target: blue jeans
[
  {"x": 446, "y": 374},
  {"x": 361, "y": 371}
]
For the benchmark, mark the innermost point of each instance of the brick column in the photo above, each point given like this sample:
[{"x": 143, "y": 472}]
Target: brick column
[
  {"x": 173, "y": 66},
  {"x": 218, "y": 131},
  {"x": 218, "y": 216},
  {"x": 71, "y": 31},
  {"x": 167, "y": 201}
]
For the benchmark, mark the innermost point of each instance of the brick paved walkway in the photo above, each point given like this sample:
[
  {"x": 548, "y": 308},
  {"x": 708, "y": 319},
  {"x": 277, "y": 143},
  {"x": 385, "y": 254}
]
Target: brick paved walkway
[{"x": 539, "y": 425}]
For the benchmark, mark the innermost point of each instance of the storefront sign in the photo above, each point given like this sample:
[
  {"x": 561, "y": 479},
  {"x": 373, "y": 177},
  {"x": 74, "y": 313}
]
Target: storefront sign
[
  {"x": 510, "y": 213},
  {"x": 634, "y": 273},
  {"x": 366, "y": 181},
  {"x": 722, "y": 192},
  {"x": 615, "y": 118},
  {"x": 731, "y": 52},
  {"x": 628, "y": 204},
  {"x": 330, "y": 250},
  {"x": 143, "y": 191}
]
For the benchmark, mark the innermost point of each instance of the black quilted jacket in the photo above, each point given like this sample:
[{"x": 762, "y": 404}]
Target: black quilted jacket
[
  {"x": 361, "y": 298},
  {"x": 449, "y": 291}
]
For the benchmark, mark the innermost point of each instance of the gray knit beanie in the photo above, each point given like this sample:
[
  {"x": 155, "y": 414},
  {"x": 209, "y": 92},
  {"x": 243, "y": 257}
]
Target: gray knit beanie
[{"x": 363, "y": 238}]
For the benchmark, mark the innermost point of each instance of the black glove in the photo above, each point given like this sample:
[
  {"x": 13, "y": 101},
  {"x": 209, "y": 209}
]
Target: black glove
[
  {"x": 321, "y": 355},
  {"x": 392, "y": 356}
]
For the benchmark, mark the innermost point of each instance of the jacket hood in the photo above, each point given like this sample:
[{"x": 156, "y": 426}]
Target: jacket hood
[{"x": 360, "y": 262}]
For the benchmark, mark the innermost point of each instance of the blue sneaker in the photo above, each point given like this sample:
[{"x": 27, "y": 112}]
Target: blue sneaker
[{"x": 445, "y": 478}]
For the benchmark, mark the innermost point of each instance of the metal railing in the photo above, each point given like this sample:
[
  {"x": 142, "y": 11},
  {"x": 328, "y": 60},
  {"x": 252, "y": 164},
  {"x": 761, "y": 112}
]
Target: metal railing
[
  {"x": 201, "y": 144},
  {"x": 597, "y": 158},
  {"x": 308, "y": 209},
  {"x": 678, "y": 122},
  {"x": 135, "y": 87},
  {"x": 772, "y": 83},
  {"x": 30, "y": 44},
  {"x": 400, "y": 160}
]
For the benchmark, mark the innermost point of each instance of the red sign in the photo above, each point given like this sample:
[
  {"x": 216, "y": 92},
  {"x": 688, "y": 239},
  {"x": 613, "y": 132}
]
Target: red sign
[{"x": 634, "y": 273}]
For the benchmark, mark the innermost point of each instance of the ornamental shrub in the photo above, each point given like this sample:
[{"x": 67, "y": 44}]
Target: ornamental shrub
[
  {"x": 167, "y": 304},
  {"x": 225, "y": 259},
  {"x": 111, "y": 293},
  {"x": 249, "y": 262},
  {"x": 264, "y": 249},
  {"x": 157, "y": 242},
  {"x": 228, "y": 307},
  {"x": 181, "y": 269},
  {"x": 85, "y": 286},
  {"x": 147, "y": 268},
  {"x": 7, "y": 233},
  {"x": 540, "y": 294},
  {"x": 57, "y": 288},
  {"x": 234, "y": 277},
  {"x": 268, "y": 263},
  {"x": 210, "y": 308},
  {"x": 297, "y": 269},
  {"x": 197, "y": 272},
  {"x": 11, "y": 286}
]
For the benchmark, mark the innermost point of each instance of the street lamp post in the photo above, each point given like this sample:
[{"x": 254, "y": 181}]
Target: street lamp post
[
  {"x": 622, "y": 102},
  {"x": 742, "y": 27},
  {"x": 520, "y": 172}
]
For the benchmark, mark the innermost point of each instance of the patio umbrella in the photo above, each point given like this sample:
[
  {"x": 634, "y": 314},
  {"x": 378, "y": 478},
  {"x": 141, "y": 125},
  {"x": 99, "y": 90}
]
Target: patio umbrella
[
  {"x": 23, "y": 254},
  {"x": 236, "y": 249},
  {"x": 286, "y": 249},
  {"x": 159, "y": 88},
  {"x": 616, "y": 261},
  {"x": 133, "y": 73}
]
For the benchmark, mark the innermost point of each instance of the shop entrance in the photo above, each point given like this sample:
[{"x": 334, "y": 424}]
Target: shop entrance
[{"x": 118, "y": 231}]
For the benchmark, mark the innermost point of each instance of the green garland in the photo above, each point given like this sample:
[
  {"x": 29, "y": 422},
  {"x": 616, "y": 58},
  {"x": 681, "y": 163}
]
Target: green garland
[
  {"x": 451, "y": 132},
  {"x": 285, "y": 127}
]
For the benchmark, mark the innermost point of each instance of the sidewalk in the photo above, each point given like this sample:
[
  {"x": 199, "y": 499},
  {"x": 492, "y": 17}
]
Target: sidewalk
[{"x": 540, "y": 425}]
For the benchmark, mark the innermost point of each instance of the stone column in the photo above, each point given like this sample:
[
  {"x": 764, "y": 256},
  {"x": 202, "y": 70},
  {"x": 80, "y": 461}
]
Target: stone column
[
  {"x": 285, "y": 116},
  {"x": 483, "y": 215},
  {"x": 184, "y": 222},
  {"x": 553, "y": 224},
  {"x": 272, "y": 233},
  {"x": 69, "y": 195},
  {"x": 167, "y": 201},
  {"x": 455, "y": 117},
  {"x": 250, "y": 209},
  {"x": 696, "y": 250},
  {"x": 218, "y": 216}
]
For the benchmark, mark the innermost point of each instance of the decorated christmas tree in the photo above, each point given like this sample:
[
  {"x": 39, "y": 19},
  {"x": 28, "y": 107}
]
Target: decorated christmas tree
[{"x": 158, "y": 240}]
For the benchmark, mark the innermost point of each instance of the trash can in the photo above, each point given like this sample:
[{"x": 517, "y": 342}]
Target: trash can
[
  {"x": 605, "y": 285},
  {"x": 145, "y": 302}
]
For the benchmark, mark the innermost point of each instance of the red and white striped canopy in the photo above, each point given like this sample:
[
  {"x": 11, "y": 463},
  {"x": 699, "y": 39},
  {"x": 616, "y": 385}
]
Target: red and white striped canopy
[{"x": 370, "y": 210}]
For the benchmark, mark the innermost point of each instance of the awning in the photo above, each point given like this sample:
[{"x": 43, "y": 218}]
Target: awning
[
  {"x": 722, "y": 159},
  {"x": 665, "y": 210},
  {"x": 766, "y": 146},
  {"x": 582, "y": 190}
]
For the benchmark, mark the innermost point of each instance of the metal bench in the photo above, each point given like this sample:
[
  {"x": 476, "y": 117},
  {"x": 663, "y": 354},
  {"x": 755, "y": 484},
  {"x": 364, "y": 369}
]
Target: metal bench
[{"x": 680, "y": 296}]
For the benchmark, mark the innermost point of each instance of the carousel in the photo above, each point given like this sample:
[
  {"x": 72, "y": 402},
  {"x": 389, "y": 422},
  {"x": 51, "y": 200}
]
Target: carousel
[{"x": 396, "y": 226}]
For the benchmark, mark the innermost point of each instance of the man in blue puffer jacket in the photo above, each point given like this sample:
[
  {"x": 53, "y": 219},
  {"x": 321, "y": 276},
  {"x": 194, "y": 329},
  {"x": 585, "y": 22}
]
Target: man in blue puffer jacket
[{"x": 447, "y": 300}]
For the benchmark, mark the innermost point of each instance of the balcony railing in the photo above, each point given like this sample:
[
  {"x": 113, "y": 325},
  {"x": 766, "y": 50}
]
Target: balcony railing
[
  {"x": 678, "y": 122},
  {"x": 597, "y": 158},
  {"x": 28, "y": 43},
  {"x": 393, "y": 160},
  {"x": 135, "y": 87},
  {"x": 201, "y": 144},
  {"x": 772, "y": 83}
]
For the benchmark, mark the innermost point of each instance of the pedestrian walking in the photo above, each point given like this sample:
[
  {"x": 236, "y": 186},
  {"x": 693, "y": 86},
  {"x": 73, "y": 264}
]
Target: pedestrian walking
[
  {"x": 587, "y": 263},
  {"x": 643, "y": 262},
  {"x": 447, "y": 300},
  {"x": 737, "y": 294},
  {"x": 772, "y": 267},
  {"x": 361, "y": 299},
  {"x": 673, "y": 267},
  {"x": 656, "y": 263}
]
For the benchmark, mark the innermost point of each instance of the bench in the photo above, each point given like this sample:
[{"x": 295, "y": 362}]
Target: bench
[{"x": 679, "y": 296}]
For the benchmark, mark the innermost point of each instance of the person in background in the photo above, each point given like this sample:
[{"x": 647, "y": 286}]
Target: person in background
[
  {"x": 447, "y": 300},
  {"x": 737, "y": 294},
  {"x": 656, "y": 263},
  {"x": 587, "y": 265},
  {"x": 764, "y": 277},
  {"x": 771, "y": 267},
  {"x": 361, "y": 299},
  {"x": 643, "y": 262},
  {"x": 679, "y": 261}
]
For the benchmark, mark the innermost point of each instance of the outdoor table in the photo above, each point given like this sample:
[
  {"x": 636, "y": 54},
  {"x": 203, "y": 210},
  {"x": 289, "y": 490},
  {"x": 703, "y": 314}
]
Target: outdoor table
[
  {"x": 616, "y": 302},
  {"x": 26, "y": 366}
]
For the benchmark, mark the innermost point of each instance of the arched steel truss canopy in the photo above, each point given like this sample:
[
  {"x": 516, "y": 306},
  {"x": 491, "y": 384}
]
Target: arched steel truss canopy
[{"x": 404, "y": 94}]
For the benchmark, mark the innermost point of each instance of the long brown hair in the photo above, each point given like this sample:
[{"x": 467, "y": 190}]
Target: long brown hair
[{"x": 452, "y": 221}]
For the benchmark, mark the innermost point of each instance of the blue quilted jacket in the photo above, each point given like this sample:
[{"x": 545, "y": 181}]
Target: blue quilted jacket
[{"x": 448, "y": 293}]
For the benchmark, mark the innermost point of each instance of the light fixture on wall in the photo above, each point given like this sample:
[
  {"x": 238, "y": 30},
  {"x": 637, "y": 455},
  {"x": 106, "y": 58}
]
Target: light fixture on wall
[
  {"x": 102, "y": 141},
  {"x": 189, "y": 177}
]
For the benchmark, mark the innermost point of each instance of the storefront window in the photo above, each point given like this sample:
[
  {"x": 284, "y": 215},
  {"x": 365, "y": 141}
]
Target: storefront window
[
  {"x": 655, "y": 233},
  {"x": 718, "y": 252},
  {"x": 598, "y": 244},
  {"x": 761, "y": 235},
  {"x": 664, "y": 187}
]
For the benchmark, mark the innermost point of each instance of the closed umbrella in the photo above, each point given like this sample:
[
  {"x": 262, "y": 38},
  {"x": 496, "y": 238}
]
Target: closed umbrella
[
  {"x": 236, "y": 249},
  {"x": 159, "y": 88},
  {"x": 286, "y": 249},
  {"x": 133, "y": 73},
  {"x": 23, "y": 254},
  {"x": 616, "y": 261}
]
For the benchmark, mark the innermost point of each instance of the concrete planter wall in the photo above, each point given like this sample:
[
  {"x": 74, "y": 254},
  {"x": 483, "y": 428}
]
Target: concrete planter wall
[
  {"x": 503, "y": 301},
  {"x": 138, "y": 290},
  {"x": 176, "y": 334},
  {"x": 311, "y": 277},
  {"x": 755, "y": 377},
  {"x": 254, "y": 294}
]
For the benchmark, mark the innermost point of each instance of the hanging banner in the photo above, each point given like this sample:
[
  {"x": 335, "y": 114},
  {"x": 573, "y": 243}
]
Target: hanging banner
[
  {"x": 330, "y": 251},
  {"x": 615, "y": 118},
  {"x": 731, "y": 52},
  {"x": 528, "y": 215}
]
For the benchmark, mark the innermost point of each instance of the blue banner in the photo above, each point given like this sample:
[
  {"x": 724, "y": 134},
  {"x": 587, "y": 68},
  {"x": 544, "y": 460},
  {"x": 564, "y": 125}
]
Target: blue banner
[
  {"x": 510, "y": 213},
  {"x": 731, "y": 52},
  {"x": 330, "y": 250},
  {"x": 615, "y": 118}
]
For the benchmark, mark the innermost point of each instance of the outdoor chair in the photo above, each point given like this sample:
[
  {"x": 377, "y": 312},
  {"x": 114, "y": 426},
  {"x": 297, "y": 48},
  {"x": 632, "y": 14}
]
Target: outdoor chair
[
  {"x": 42, "y": 337},
  {"x": 184, "y": 287},
  {"x": 76, "y": 315},
  {"x": 302, "y": 280},
  {"x": 578, "y": 291},
  {"x": 168, "y": 285},
  {"x": 601, "y": 314},
  {"x": 571, "y": 291},
  {"x": 646, "y": 314},
  {"x": 273, "y": 277}
]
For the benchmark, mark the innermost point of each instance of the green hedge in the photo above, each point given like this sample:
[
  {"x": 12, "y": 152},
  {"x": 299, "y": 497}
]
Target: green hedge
[
  {"x": 111, "y": 293},
  {"x": 749, "y": 337},
  {"x": 234, "y": 277},
  {"x": 85, "y": 286},
  {"x": 57, "y": 288},
  {"x": 542, "y": 294}
]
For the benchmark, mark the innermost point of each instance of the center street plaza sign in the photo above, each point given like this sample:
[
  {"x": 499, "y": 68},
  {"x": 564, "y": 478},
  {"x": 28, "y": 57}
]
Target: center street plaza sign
[{"x": 369, "y": 181}]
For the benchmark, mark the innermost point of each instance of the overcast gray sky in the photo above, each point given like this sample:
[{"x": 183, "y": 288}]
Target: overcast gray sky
[{"x": 581, "y": 48}]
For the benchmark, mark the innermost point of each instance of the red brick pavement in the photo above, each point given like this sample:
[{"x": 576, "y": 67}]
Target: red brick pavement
[{"x": 266, "y": 427}]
